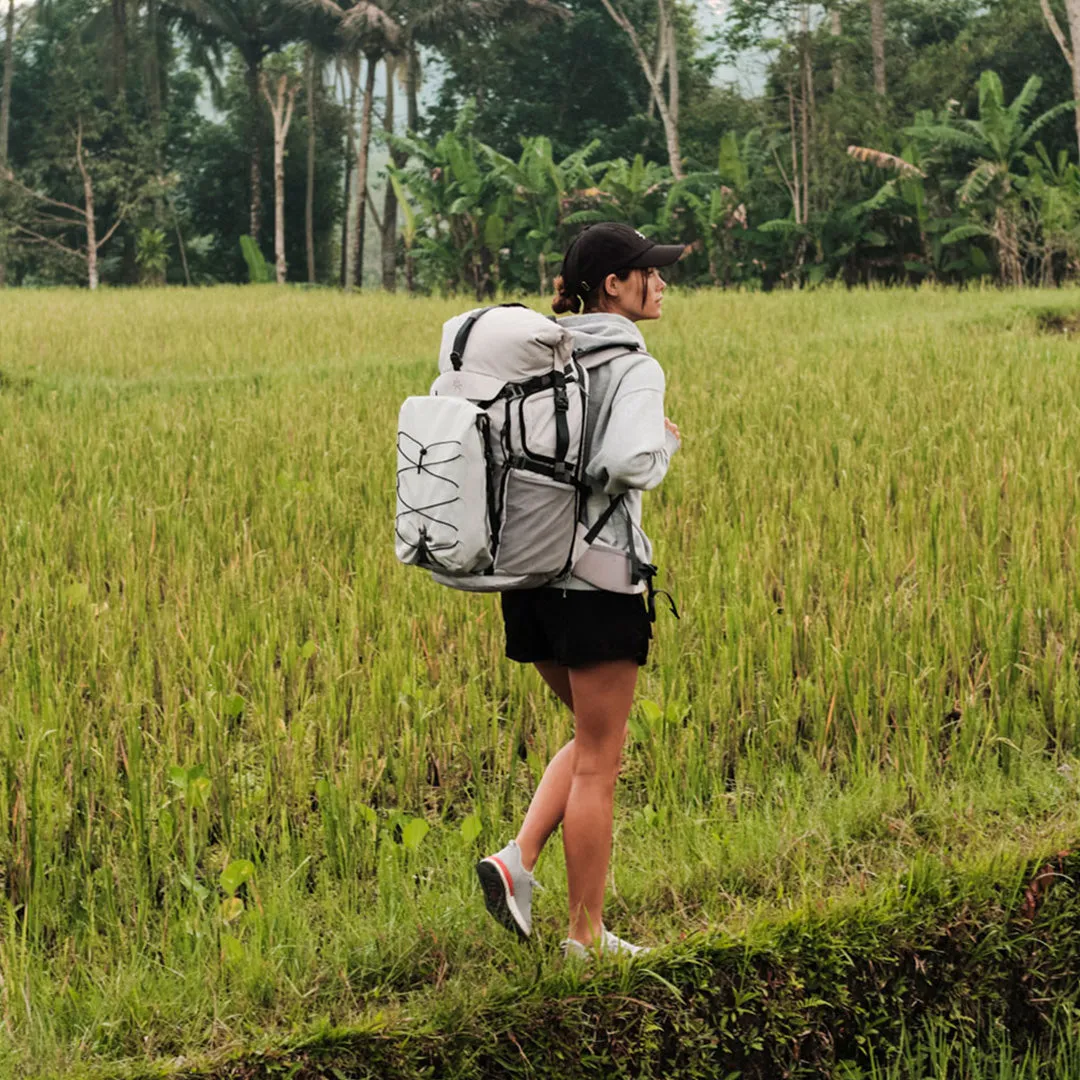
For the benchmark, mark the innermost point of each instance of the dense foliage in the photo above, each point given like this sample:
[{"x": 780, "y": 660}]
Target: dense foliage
[{"x": 946, "y": 151}]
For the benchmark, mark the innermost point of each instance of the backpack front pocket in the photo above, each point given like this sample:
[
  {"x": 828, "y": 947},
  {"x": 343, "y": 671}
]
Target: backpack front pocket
[
  {"x": 538, "y": 524},
  {"x": 443, "y": 504}
]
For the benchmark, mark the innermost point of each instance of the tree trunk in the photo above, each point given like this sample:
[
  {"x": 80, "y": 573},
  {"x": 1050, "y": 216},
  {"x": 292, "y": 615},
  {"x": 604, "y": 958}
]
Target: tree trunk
[
  {"x": 794, "y": 185},
  {"x": 5, "y": 114},
  {"x": 180, "y": 242},
  {"x": 667, "y": 107},
  {"x": 1072, "y": 13},
  {"x": 309, "y": 199},
  {"x": 836, "y": 29},
  {"x": 255, "y": 173},
  {"x": 88, "y": 213},
  {"x": 281, "y": 109},
  {"x": 153, "y": 73},
  {"x": 119, "y": 49},
  {"x": 877, "y": 44},
  {"x": 346, "y": 276},
  {"x": 9, "y": 69},
  {"x": 390, "y": 204},
  {"x": 673, "y": 85},
  {"x": 805, "y": 90},
  {"x": 362, "y": 154},
  {"x": 412, "y": 90}
]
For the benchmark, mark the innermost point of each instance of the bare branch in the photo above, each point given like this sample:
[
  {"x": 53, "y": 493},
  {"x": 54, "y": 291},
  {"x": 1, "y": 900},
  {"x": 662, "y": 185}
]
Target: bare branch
[
  {"x": 289, "y": 109},
  {"x": 374, "y": 212},
  {"x": 9, "y": 178},
  {"x": 45, "y": 218},
  {"x": 670, "y": 122},
  {"x": 1055, "y": 29},
  {"x": 787, "y": 182},
  {"x": 53, "y": 243},
  {"x": 115, "y": 225}
]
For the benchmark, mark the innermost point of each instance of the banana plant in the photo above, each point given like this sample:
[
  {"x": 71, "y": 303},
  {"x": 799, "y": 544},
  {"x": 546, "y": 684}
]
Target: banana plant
[
  {"x": 540, "y": 186},
  {"x": 712, "y": 205},
  {"x": 461, "y": 204},
  {"x": 629, "y": 191},
  {"x": 1051, "y": 190},
  {"x": 991, "y": 147}
]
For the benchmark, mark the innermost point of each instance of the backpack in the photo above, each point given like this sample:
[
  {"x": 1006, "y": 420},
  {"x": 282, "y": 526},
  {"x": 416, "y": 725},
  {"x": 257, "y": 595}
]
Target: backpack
[{"x": 490, "y": 463}]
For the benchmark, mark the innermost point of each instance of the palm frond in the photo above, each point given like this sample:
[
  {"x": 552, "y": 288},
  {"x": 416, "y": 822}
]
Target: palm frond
[
  {"x": 991, "y": 92},
  {"x": 327, "y": 7},
  {"x": 1023, "y": 101},
  {"x": 882, "y": 160},
  {"x": 880, "y": 198},
  {"x": 964, "y": 232},
  {"x": 1040, "y": 122},
  {"x": 943, "y": 135},
  {"x": 365, "y": 20},
  {"x": 979, "y": 179}
]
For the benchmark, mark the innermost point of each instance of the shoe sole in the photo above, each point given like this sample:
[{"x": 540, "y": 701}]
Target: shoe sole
[{"x": 499, "y": 897}]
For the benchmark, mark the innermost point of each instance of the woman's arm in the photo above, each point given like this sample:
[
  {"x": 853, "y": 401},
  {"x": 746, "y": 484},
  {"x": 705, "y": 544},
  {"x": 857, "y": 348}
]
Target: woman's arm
[{"x": 635, "y": 447}]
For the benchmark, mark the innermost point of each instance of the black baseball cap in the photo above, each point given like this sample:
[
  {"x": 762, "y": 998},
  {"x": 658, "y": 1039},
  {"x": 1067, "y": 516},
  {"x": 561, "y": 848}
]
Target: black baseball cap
[{"x": 610, "y": 247}]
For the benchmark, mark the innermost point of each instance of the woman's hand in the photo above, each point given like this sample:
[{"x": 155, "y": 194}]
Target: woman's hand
[{"x": 673, "y": 428}]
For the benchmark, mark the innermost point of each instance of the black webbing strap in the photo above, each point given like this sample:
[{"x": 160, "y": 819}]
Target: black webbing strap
[
  {"x": 558, "y": 472},
  {"x": 562, "y": 426},
  {"x": 629, "y": 346},
  {"x": 462, "y": 337},
  {"x": 643, "y": 571},
  {"x": 603, "y": 519}
]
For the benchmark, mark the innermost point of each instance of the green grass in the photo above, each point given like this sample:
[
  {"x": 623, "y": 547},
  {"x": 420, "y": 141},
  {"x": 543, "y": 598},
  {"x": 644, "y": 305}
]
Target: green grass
[{"x": 209, "y": 655}]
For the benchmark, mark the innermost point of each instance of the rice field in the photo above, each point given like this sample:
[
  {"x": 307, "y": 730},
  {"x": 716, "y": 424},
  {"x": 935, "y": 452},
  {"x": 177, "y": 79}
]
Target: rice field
[{"x": 247, "y": 761}]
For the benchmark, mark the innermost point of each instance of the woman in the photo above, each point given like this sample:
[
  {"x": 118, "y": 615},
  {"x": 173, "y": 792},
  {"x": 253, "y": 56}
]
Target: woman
[{"x": 588, "y": 641}]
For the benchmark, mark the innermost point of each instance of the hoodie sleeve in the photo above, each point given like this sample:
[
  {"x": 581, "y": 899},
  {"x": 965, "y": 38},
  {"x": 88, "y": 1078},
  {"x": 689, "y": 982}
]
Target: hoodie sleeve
[{"x": 634, "y": 449}]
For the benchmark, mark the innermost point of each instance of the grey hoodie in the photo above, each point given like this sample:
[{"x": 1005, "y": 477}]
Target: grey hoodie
[{"x": 627, "y": 447}]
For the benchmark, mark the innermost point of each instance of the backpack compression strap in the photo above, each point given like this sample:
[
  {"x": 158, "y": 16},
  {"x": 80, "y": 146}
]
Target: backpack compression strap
[{"x": 462, "y": 338}]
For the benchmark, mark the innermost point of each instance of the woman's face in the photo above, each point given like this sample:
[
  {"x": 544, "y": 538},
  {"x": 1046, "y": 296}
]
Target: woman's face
[{"x": 639, "y": 297}]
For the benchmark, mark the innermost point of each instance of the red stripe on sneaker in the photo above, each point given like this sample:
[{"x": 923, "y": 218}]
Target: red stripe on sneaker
[{"x": 506, "y": 873}]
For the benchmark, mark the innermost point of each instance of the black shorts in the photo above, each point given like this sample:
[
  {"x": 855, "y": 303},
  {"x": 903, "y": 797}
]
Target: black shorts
[{"x": 574, "y": 627}]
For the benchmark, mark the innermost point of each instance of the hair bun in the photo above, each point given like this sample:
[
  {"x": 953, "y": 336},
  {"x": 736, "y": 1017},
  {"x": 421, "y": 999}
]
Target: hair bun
[{"x": 565, "y": 300}]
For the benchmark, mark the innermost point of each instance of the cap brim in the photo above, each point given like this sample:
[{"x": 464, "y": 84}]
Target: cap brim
[{"x": 657, "y": 255}]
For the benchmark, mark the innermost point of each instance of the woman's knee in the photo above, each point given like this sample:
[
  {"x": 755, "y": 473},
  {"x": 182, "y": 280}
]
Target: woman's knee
[{"x": 597, "y": 760}]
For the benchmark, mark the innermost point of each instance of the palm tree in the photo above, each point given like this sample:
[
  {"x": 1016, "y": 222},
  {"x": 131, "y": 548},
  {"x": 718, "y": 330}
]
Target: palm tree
[
  {"x": 434, "y": 23},
  {"x": 363, "y": 30},
  {"x": 992, "y": 145},
  {"x": 255, "y": 28}
]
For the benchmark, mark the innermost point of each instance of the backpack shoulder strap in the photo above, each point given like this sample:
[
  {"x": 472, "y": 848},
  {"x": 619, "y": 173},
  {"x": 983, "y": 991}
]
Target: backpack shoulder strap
[{"x": 595, "y": 355}]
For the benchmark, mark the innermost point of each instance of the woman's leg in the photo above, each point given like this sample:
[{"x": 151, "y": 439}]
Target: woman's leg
[
  {"x": 602, "y": 696},
  {"x": 549, "y": 800}
]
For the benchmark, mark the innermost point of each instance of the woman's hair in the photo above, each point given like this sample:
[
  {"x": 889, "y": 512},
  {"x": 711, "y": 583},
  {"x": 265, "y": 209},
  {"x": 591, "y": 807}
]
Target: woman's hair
[{"x": 567, "y": 298}]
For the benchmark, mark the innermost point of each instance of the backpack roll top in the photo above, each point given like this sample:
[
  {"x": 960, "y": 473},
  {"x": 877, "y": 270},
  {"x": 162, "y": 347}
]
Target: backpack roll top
[{"x": 510, "y": 395}]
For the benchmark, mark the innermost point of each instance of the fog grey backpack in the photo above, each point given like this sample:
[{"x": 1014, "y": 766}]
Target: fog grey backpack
[{"x": 489, "y": 464}]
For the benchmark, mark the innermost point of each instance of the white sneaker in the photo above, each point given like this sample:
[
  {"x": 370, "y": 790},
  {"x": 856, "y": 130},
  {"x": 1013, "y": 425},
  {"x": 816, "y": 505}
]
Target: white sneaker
[
  {"x": 609, "y": 945},
  {"x": 508, "y": 889}
]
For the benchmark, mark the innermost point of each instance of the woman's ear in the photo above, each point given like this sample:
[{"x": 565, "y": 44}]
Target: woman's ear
[{"x": 611, "y": 285}]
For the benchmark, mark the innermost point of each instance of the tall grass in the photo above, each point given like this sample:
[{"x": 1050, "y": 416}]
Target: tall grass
[{"x": 246, "y": 760}]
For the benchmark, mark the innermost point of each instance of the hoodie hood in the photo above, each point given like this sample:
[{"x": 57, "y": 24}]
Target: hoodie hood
[{"x": 603, "y": 329}]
